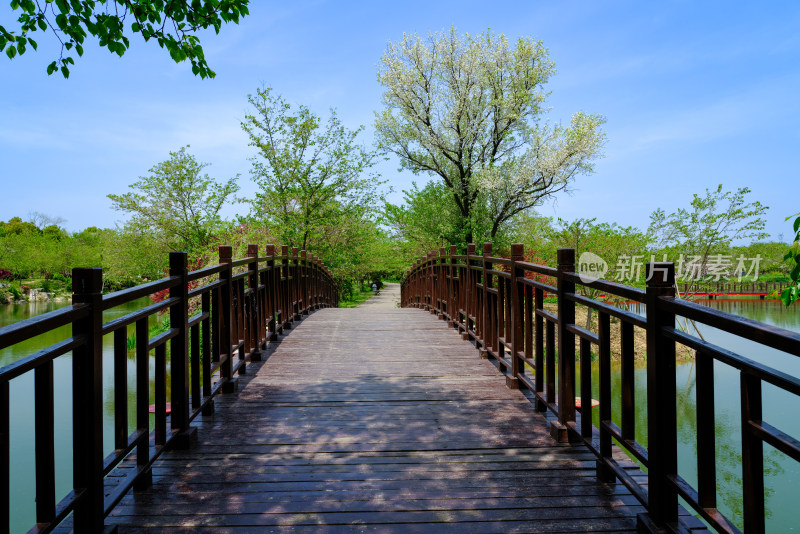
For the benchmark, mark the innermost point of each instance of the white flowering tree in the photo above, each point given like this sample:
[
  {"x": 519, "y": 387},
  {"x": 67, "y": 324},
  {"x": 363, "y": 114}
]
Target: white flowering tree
[{"x": 469, "y": 109}]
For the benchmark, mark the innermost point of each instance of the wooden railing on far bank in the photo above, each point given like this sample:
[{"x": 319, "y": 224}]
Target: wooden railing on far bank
[
  {"x": 499, "y": 304},
  {"x": 238, "y": 307}
]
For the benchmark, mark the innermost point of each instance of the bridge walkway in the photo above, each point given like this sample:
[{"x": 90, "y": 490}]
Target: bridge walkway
[{"x": 375, "y": 419}]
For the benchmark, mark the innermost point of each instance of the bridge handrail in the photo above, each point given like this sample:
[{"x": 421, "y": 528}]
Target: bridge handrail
[
  {"x": 237, "y": 317},
  {"x": 502, "y": 311}
]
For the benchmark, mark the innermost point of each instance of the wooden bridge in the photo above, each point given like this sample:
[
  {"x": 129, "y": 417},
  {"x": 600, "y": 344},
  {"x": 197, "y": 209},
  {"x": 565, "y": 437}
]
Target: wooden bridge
[
  {"x": 376, "y": 419},
  {"x": 288, "y": 414}
]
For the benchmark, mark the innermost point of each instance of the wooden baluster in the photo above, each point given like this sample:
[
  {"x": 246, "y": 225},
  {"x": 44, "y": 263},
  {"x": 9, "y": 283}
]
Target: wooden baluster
[
  {"x": 295, "y": 284},
  {"x": 627, "y": 379},
  {"x": 254, "y": 310},
  {"x": 160, "y": 396},
  {"x": 304, "y": 305},
  {"x": 752, "y": 455},
  {"x": 286, "y": 313},
  {"x": 441, "y": 297},
  {"x": 225, "y": 311},
  {"x": 604, "y": 473},
  {"x": 5, "y": 457},
  {"x": 120, "y": 388},
  {"x": 272, "y": 282},
  {"x": 145, "y": 479},
  {"x": 706, "y": 447},
  {"x": 207, "y": 358},
  {"x": 452, "y": 292},
  {"x": 44, "y": 443},
  {"x": 194, "y": 366},
  {"x": 469, "y": 301},
  {"x": 541, "y": 406}
]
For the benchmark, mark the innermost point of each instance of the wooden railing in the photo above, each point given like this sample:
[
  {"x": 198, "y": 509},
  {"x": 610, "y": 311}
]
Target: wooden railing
[
  {"x": 731, "y": 288},
  {"x": 499, "y": 304},
  {"x": 241, "y": 304}
]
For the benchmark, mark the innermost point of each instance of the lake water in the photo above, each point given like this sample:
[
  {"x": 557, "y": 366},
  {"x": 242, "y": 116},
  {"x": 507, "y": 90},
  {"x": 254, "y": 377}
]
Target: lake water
[
  {"x": 782, "y": 474},
  {"x": 22, "y": 406}
]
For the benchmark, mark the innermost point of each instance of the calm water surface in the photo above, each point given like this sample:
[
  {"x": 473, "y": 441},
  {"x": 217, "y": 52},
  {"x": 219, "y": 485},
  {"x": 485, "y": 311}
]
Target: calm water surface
[
  {"x": 22, "y": 406},
  {"x": 782, "y": 478}
]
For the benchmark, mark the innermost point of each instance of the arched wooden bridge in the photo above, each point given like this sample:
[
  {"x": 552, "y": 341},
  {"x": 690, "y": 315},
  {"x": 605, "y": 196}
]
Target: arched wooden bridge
[{"x": 382, "y": 418}]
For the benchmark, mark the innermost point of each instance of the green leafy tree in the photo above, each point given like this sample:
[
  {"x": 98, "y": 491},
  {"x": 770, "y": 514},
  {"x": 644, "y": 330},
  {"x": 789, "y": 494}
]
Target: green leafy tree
[
  {"x": 427, "y": 220},
  {"x": 792, "y": 292},
  {"x": 609, "y": 241},
  {"x": 130, "y": 256},
  {"x": 176, "y": 203},
  {"x": 711, "y": 225},
  {"x": 470, "y": 111},
  {"x": 172, "y": 24},
  {"x": 313, "y": 176},
  {"x": 16, "y": 226}
]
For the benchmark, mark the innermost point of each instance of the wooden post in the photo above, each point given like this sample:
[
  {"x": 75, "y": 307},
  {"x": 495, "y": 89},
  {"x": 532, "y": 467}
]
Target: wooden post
[
  {"x": 286, "y": 313},
  {"x": 305, "y": 303},
  {"x": 441, "y": 289},
  {"x": 257, "y": 319},
  {"x": 179, "y": 345},
  {"x": 272, "y": 293},
  {"x": 662, "y": 450},
  {"x": 566, "y": 350},
  {"x": 87, "y": 401},
  {"x": 456, "y": 282},
  {"x": 516, "y": 295},
  {"x": 752, "y": 454},
  {"x": 5, "y": 456},
  {"x": 296, "y": 276},
  {"x": 229, "y": 384},
  {"x": 486, "y": 308}
]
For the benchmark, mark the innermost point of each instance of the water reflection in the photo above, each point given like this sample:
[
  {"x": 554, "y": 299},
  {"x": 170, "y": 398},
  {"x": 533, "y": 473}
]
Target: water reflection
[
  {"x": 781, "y": 472},
  {"x": 21, "y": 392}
]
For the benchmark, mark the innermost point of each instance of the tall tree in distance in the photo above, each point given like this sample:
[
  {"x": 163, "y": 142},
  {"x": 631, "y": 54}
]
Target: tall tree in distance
[
  {"x": 176, "y": 202},
  {"x": 470, "y": 110},
  {"x": 172, "y": 24},
  {"x": 313, "y": 175},
  {"x": 713, "y": 222}
]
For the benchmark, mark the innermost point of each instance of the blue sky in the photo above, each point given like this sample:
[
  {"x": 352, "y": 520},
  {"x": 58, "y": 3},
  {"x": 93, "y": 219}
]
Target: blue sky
[{"x": 695, "y": 93}]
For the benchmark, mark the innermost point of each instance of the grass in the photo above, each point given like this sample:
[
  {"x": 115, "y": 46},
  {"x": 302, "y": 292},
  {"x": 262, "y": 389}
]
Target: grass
[{"x": 360, "y": 294}]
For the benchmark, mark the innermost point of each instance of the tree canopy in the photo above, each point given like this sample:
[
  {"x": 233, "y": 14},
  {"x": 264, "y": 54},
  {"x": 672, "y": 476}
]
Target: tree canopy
[
  {"x": 314, "y": 176},
  {"x": 713, "y": 222},
  {"x": 176, "y": 202},
  {"x": 172, "y": 24},
  {"x": 469, "y": 110}
]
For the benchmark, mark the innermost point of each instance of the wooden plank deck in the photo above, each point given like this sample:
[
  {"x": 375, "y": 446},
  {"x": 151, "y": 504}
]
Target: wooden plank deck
[{"x": 375, "y": 419}]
